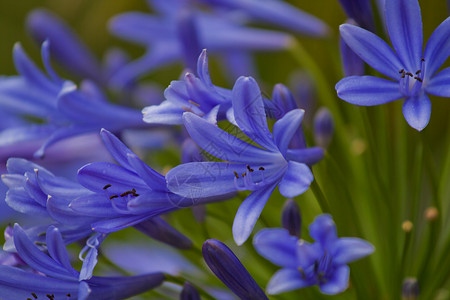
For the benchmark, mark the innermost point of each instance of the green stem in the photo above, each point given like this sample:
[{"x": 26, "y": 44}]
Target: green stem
[{"x": 320, "y": 197}]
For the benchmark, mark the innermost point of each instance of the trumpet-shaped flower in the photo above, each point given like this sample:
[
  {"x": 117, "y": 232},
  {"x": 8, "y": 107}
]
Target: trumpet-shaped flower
[
  {"x": 245, "y": 167},
  {"x": 323, "y": 262},
  {"x": 414, "y": 72},
  {"x": 57, "y": 279}
]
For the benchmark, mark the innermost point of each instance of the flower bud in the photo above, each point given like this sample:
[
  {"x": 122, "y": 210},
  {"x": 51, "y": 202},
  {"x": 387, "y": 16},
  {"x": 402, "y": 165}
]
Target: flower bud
[
  {"x": 189, "y": 292},
  {"x": 161, "y": 231},
  {"x": 227, "y": 267},
  {"x": 352, "y": 64},
  {"x": 410, "y": 289},
  {"x": 291, "y": 218},
  {"x": 323, "y": 127}
]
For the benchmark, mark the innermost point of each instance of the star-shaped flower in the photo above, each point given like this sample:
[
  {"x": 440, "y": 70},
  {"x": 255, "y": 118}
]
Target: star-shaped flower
[{"x": 414, "y": 71}]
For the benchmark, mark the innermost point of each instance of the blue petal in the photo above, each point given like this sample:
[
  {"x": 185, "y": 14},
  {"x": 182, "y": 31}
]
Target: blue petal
[
  {"x": 296, "y": 180},
  {"x": 84, "y": 291},
  {"x": 323, "y": 230},
  {"x": 187, "y": 34},
  {"x": 367, "y": 90},
  {"x": 437, "y": 49},
  {"x": 167, "y": 112},
  {"x": 203, "y": 69},
  {"x": 96, "y": 176},
  {"x": 307, "y": 254},
  {"x": 221, "y": 144},
  {"x": 89, "y": 263},
  {"x": 249, "y": 112},
  {"x": 307, "y": 156},
  {"x": 373, "y": 50},
  {"x": 248, "y": 213},
  {"x": 404, "y": 24},
  {"x": 439, "y": 84},
  {"x": 285, "y": 128},
  {"x": 152, "y": 178},
  {"x": 21, "y": 166},
  {"x": 203, "y": 179},
  {"x": 59, "y": 210},
  {"x": 337, "y": 282},
  {"x": 37, "y": 259},
  {"x": 156, "y": 202},
  {"x": 21, "y": 202},
  {"x": 351, "y": 63},
  {"x": 417, "y": 111},
  {"x": 59, "y": 186},
  {"x": 286, "y": 280},
  {"x": 65, "y": 46},
  {"x": 57, "y": 249},
  {"x": 94, "y": 205},
  {"x": 347, "y": 250},
  {"x": 117, "y": 149},
  {"x": 276, "y": 245},
  {"x": 112, "y": 225}
]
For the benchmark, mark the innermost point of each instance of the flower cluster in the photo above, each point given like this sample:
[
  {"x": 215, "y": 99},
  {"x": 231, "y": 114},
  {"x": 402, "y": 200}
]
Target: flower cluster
[{"x": 102, "y": 154}]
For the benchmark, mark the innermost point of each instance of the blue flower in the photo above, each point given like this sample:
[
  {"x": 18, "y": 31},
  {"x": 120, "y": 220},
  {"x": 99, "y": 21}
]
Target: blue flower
[
  {"x": 165, "y": 37},
  {"x": 322, "y": 263},
  {"x": 254, "y": 168},
  {"x": 130, "y": 194},
  {"x": 64, "y": 110},
  {"x": 55, "y": 275},
  {"x": 414, "y": 72}
]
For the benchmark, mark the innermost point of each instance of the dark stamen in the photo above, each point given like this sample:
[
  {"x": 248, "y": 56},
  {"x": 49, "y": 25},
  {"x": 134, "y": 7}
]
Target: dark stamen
[
  {"x": 68, "y": 295},
  {"x": 51, "y": 297},
  {"x": 135, "y": 195},
  {"x": 243, "y": 174},
  {"x": 409, "y": 74},
  {"x": 126, "y": 193},
  {"x": 236, "y": 174},
  {"x": 418, "y": 72},
  {"x": 261, "y": 168},
  {"x": 34, "y": 295},
  {"x": 401, "y": 71},
  {"x": 133, "y": 191},
  {"x": 418, "y": 79},
  {"x": 113, "y": 196},
  {"x": 422, "y": 59},
  {"x": 250, "y": 169},
  {"x": 29, "y": 299},
  {"x": 403, "y": 75},
  {"x": 106, "y": 186}
]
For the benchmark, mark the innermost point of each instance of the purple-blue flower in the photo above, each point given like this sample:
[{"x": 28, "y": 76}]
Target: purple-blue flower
[
  {"x": 322, "y": 263},
  {"x": 56, "y": 277},
  {"x": 259, "y": 169},
  {"x": 414, "y": 72}
]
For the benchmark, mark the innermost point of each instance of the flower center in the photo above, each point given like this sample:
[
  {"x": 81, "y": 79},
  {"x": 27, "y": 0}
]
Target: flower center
[
  {"x": 249, "y": 180},
  {"x": 411, "y": 82}
]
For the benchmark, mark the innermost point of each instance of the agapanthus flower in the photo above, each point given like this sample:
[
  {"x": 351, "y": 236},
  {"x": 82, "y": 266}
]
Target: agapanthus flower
[
  {"x": 322, "y": 263},
  {"x": 57, "y": 279},
  {"x": 414, "y": 72},
  {"x": 160, "y": 33},
  {"x": 65, "y": 110},
  {"x": 246, "y": 167},
  {"x": 127, "y": 194}
]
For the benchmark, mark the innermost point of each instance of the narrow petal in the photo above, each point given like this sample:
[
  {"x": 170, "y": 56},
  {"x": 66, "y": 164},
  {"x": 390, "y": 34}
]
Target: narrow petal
[
  {"x": 152, "y": 178},
  {"x": 248, "y": 213},
  {"x": 404, "y": 24},
  {"x": 367, "y": 90},
  {"x": 94, "y": 205},
  {"x": 296, "y": 180},
  {"x": 307, "y": 254},
  {"x": 97, "y": 176},
  {"x": 117, "y": 149},
  {"x": 439, "y": 84},
  {"x": 373, "y": 50},
  {"x": 337, "y": 282},
  {"x": 417, "y": 111},
  {"x": 307, "y": 156},
  {"x": 112, "y": 225},
  {"x": 221, "y": 144},
  {"x": 323, "y": 230},
  {"x": 57, "y": 249},
  {"x": 59, "y": 210},
  {"x": 276, "y": 245},
  {"x": 347, "y": 250},
  {"x": 285, "y": 128},
  {"x": 20, "y": 201},
  {"x": 437, "y": 49},
  {"x": 37, "y": 259},
  {"x": 286, "y": 280},
  {"x": 89, "y": 263},
  {"x": 250, "y": 114},
  {"x": 203, "y": 69},
  {"x": 167, "y": 113}
]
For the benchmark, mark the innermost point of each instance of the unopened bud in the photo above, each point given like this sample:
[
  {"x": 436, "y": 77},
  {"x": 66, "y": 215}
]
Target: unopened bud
[
  {"x": 291, "y": 218},
  {"x": 407, "y": 226},
  {"x": 323, "y": 127},
  {"x": 410, "y": 289},
  {"x": 189, "y": 292},
  {"x": 431, "y": 213},
  {"x": 227, "y": 267}
]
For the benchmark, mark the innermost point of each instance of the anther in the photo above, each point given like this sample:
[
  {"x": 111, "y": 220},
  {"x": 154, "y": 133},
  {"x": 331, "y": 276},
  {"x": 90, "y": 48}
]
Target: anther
[
  {"x": 302, "y": 272},
  {"x": 418, "y": 72},
  {"x": 34, "y": 295},
  {"x": 113, "y": 196},
  {"x": 133, "y": 191},
  {"x": 261, "y": 168},
  {"x": 243, "y": 174},
  {"x": 51, "y": 297},
  {"x": 106, "y": 186},
  {"x": 69, "y": 295},
  {"x": 29, "y": 299},
  {"x": 418, "y": 79},
  {"x": 401, "y": 71},
  {"x": 403, "y": 74},
  {"x": 422, "y": 59},
  {"x": 236, "y": 174},
  {"x": 194, "y": 103},
  {"x": 409, "y": 74},
  {"x": 250, "y": 169},
  {"x": 126, "y": 193}
]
